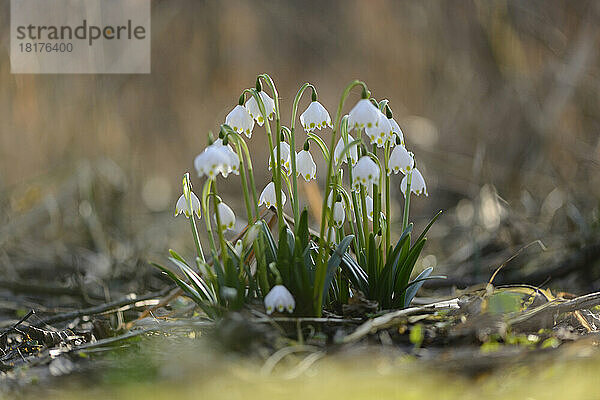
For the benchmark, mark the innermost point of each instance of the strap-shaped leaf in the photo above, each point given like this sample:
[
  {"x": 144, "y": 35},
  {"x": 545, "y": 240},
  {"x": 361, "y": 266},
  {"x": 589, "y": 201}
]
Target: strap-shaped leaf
[
  {"x": 196, "y": 279},
  {"x": 334, "y": 262},
  {"x": 435, "y": 217},
  {"x": 355, "y": 273},
  {"x": 405, "y": 272},
  {"x": 415, "y": 285},
  {"x": 284, "y": 256},
  {"x": 188, "y": 290}
]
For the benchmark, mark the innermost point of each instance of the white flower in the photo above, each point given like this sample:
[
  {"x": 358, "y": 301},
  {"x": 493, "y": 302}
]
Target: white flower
[
  {"x": 315, "y": 116},
  {"x": 363, "y": 115},
  {"x": 240, "y": 120},
  {"x": 401, "y": 160},
  {"x": 369, "y": 202},
  {"x": 212, "y": 161},
  {"x": 254, "y": 110},
  {"x": 352, "y": 152},
  {"x": 380, "y": 133},
  {"x": 285, "y": 158},
  {"x": 233, "y": 166},
  {"x": 417, "y": 183},
  {"x": 305, "y": 165},
  {"x": 365, "y": 172},
  {"x": 226, "y": 215},
  {"x": 182, "y": 206},
  {"x": 239, "y": 248},
  {"x": 280, "y": 299},
  {"x": 339, "y": 214},
  {"x": 331, "y": 238},
  {"x": 397, "y": 131},
  {"x": 267, "y": 197}
]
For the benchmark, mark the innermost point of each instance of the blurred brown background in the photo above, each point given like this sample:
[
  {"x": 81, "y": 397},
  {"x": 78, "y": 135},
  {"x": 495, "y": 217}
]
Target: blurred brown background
[{"x": 499, "y": 100}]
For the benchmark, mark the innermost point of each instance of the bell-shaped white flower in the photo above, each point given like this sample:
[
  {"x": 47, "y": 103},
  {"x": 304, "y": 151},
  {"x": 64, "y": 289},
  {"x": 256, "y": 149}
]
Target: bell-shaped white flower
[
  {"x": 381, "y": 133},
  {"x": 369, "y": 203},
  {"x": 352, "y": 152},
  {"x": 267, "y": 197},
  {"x": 280, "y": 299},
  {"x": 182, "y": 206},
  {"x": 365, "y": 173},
  {"x": 305, "y": 165},
  {"x": 331, "y": 237},
  {"x": 401, "y": 160},
  {"x": 240, "y": 120},
  {"x": 239, "y": 248},
  {"x": 233, "y": 166},
  {"x": 363, "y": 115},
  {"x": 417, "y": 183},
  {"x": 254, "y": 110},
  {"x": 315, "y": 116},
  {"x": 212, "y": 161},
  {"x": 339, "y": 214},
  {"x": 285, "y": 159},
  {"x": 226, "y": 215},
  {"x": 397, "y": 131}
]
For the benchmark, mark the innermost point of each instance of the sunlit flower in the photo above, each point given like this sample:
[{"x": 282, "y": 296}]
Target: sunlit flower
[
  {"x": 352, "y": 152},
  {"x": 254, "y": 110},
  {"x": 226, "y": 215},
  {"x": 401, "y": 160},
  {"x": 182, "y": 206},
  {"x": 339, "y": 214},
  {"x": 365, "y": 173},
  {"x": 369, "y": 203},
  {"x": 315, "y": 116},
  {"x": 305, "y": 165},
  {"x": 397, "y": 131},
  {"x": 363, "y": 115},
  {"x": 381, "y": 133},
  {"x": 417, "y": 183},
  {"x": 280, "y": 299},
  {"x": 267, "y": 197},
  {"x": 285, "y": 158},
  {"x": 233, "y": 166},
  {"x": 240, "y": 120},
  {"x": 212, "y": 161}
]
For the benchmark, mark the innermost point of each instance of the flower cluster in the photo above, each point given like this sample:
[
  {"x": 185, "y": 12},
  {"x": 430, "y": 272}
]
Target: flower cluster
[{"x": 290, "y": 267}]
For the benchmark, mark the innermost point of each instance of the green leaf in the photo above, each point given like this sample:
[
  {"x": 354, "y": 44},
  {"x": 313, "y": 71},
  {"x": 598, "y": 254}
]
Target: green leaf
[
  {"x": 284, "y": 256},
  {"x": 405, "y": 272},
  {"x": 422, "y": 235},
  {"x": 197, "y": 281},
  {"x": 334, "y": 262},
  {"x": 189, "y": 291},
  {"x": 415, "y": 285}
]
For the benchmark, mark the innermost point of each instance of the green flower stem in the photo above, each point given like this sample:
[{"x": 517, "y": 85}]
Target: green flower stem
[
  {"x": 187, "y": 189},
  {"x": 243, "y": 173},
  {"x": 246, "y": 170},
  {"x": 388, "y": 209},
  {"x": 376, "y": 201},
  {"x": 406, "y": 202},
  {"x": 270, "y": 83},
  {"x": 224, "y": 253},
  {"x": 248, "y": 161},
  {"x": 321, "y": 144},
  {"x": 360, "y": 239},
  {"x": 205, "y": 208},
  {"x": 295, "y": 202},
  {"x": 275, "y": 168},
  {"x": 323, "y": 247},
  {"x": 365, "y": 216}
]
